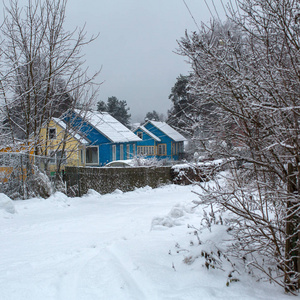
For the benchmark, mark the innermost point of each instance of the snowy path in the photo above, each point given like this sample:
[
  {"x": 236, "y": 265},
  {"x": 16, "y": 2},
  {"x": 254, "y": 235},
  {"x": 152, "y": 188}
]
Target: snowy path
[{"x": 102, "y": 247}]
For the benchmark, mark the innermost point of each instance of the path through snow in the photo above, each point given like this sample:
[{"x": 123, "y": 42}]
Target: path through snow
[{"x": 116, "y": 246}]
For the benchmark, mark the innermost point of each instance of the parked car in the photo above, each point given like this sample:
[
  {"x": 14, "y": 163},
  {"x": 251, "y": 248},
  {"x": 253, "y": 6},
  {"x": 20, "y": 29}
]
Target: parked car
[{"x": 119, "y": 164}]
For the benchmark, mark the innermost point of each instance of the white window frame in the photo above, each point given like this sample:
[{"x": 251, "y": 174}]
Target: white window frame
[
  {"x": 52, "y": 137},
  {"x": 52, "y": 159},
  {"x": 121, "y": 151},
  {"x": 180, "y": 147},
  {"x": 85, "y": 157},
  {"x": 162, "y": 149},
  {"x": 114, "y": 152},
  {"x": 128, "y": 151},
  {"x": 63, "y": 157},
  {"x": 82, "y": 157},
  {"x": 145, "y": 150},
  {"x": 140, "y": 134},
  {"x": 174, "y": 148},
  {"x": 151, "y": 150}
]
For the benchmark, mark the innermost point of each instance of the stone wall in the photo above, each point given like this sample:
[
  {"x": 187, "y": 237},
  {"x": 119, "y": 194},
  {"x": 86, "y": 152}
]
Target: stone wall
[{"x": 106, "y": 180}]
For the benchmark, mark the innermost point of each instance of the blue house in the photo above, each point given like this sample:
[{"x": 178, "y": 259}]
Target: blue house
[
  {"x": 159, "y": 140},
  {"x": 109, "y": 139}
]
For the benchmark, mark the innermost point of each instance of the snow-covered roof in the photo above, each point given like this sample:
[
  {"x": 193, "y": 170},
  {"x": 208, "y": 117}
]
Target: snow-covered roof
[
  {"x": 73, "y": 133},
  {"x": 107, "y": 125},
  {"x": 169, "y": 131},
  {"x": 134, "y": 126},
  {"x": 149, "y": 133}
]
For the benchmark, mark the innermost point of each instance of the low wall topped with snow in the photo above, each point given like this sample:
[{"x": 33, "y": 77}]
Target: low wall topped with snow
[{"x": 107, "y": 180}]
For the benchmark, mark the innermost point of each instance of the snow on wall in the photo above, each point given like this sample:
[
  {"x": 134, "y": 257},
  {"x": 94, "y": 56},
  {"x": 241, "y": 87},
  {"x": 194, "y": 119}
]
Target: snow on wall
[{"x": 107, "y": 180}]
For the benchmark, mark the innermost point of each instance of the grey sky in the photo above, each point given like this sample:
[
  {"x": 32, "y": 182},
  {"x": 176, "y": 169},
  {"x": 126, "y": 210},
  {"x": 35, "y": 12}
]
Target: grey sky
[{"x": 135, "y": 46}]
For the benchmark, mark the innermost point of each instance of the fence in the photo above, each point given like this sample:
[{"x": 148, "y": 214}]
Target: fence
[
  {"x": 22, "y": 175},
  {"x": 106, "y": 180}
]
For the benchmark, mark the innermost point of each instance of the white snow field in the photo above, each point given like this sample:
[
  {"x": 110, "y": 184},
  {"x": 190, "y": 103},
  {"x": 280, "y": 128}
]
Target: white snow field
[{"x": 133, "y": 245}]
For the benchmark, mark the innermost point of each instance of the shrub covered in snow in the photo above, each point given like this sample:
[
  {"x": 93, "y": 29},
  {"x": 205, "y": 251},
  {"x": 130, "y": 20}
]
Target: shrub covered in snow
[
  {"x": 150, "y": 162},
  {"x": 6, "y": 204}
]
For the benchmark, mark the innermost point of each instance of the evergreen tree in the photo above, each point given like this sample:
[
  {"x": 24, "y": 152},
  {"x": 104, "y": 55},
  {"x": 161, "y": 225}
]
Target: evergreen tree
[
  {"x": 180, "y": 113},
  {"x": 117, "y": 108},
  {"x": 101, "y": 106},
  {"x": 179, "y": 92},
  {"x": 152, "y": 116},
  {"x": 185, "y": 111}
]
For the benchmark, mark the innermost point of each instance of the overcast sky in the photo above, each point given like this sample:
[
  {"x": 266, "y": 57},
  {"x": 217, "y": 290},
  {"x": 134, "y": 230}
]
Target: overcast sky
[{"x": 136, "y": 44}]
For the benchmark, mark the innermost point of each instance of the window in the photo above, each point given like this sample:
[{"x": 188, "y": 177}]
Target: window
[
  {"x": 140, "y": 134},
  {"x": 91, "y": 155},
  {"x": 162, "y": 149},
  {"x": 114, "y": 152},
  {"x": 180, "y": 147},
  {"x": 121, "y": 151},
  {"x": 151, "y": 150},
  {"x": 52, "y": 133},
  {"x": 145, "y": 150},
  {"x": 133, "y": 150},
  {"x": 140, "y": 150},
  {"x": 174, "y": 148},
  {"x": 52, "y": 159},
  {"x": 58, "y": 157},
  {"x": 128, "y": 151},
  {"x": 61, "y": 157},
  {"x": 81, "y": 157}
]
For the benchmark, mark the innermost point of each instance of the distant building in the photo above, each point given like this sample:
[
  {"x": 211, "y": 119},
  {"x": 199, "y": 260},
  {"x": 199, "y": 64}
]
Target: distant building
[
  {"x": 109, "y": 140},
  {"x": 159, "y": 140},
  {"x": 62, "y": 144}
]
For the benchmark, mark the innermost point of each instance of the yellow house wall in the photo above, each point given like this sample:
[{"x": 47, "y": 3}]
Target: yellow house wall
[{"x": 72, "y": 145}]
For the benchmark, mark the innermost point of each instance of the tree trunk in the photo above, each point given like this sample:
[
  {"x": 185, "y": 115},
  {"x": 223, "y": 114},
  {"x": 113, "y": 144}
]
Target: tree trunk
[{"x": 292, "y": 250}]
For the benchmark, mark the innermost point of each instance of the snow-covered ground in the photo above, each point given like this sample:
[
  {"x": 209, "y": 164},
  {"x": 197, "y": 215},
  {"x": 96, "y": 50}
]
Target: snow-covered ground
[{"x": 134, "y": 245}]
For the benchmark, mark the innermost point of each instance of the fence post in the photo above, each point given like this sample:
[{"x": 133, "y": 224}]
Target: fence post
[{"x": 292, "y": 252}]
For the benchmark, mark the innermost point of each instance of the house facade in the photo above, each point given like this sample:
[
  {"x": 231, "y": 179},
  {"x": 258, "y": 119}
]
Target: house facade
[
  {"x": 61, "y": 144},
  {"x": 109, "y": 140},
  {"x": 159, "y": 140}
]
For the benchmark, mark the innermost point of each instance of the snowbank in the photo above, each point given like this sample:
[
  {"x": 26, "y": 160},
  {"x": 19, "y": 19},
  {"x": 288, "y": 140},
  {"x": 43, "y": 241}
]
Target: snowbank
[
  {"x": 211, "y": 163},
  {"x": 175, "y": 217},
  {"x": 6, "y": 205}
]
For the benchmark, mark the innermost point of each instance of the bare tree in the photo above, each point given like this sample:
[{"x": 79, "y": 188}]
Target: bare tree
[
  {"x": 42, "y": 71},
  {"x": 249, "y": 69}
]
